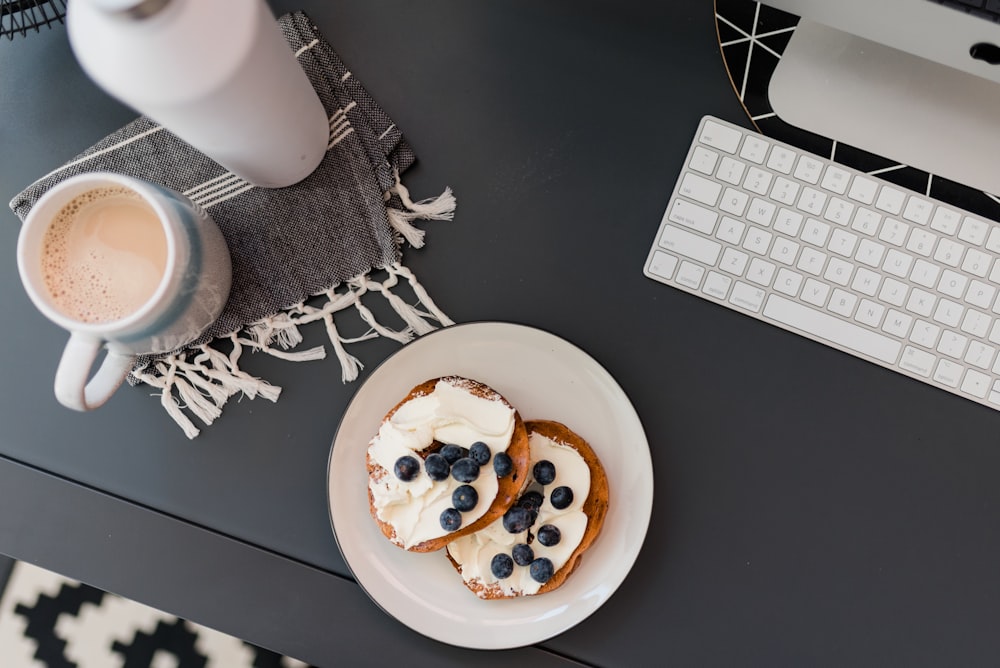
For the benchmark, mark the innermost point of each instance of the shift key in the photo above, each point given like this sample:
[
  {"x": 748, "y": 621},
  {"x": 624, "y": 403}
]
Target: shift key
[{"x": 690, "y": 245}]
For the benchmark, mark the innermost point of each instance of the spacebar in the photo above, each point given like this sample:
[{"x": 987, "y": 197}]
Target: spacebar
[{"x": 834, "y": 330}]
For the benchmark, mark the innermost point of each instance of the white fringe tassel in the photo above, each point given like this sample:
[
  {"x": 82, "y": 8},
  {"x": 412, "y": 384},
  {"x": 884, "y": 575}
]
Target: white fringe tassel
[{"x": 201, "y": 380}]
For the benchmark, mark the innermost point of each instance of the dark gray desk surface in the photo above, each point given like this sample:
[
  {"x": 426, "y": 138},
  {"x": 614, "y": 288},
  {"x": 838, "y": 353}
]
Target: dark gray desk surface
[{"x": 811, "y": 509}]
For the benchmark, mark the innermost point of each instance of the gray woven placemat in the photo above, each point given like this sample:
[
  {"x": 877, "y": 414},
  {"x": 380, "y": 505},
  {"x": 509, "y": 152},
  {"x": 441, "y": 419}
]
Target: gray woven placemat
[{"x": 300, "y": 254}]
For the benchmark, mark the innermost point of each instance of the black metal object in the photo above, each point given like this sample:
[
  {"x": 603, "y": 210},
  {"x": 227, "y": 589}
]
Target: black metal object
[{"x": 17, "y": 17}]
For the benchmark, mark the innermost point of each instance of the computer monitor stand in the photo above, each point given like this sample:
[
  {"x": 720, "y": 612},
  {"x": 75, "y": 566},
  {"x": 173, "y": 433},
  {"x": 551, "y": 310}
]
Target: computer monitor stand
[{"x": 890, "y": 103}]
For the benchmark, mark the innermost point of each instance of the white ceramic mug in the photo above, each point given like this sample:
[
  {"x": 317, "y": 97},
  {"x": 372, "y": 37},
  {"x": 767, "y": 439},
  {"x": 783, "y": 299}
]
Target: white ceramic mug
[{"x": 156, "y": 273}]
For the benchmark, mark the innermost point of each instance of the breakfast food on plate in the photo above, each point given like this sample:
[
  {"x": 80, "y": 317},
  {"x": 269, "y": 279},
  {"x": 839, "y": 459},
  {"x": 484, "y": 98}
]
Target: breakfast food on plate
[
  {"x": 540, "y": 540},
  {"x": 448, "y": 460}
]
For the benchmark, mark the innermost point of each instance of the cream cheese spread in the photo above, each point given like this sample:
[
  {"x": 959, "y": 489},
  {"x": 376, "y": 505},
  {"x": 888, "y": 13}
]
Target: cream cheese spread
[
  {"x": 450, "y": 414},
  {"x": 475, "y": 552}
]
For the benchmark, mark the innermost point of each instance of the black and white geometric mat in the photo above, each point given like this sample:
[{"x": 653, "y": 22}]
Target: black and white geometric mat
[{"x": 48, "y": 621}]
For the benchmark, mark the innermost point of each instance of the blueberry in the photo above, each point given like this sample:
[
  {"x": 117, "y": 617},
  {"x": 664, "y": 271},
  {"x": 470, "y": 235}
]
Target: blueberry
[
  {"x": 501, "y": 566},
  {"x": 406, "y": 468},
  {"x": 541, "y": 570},
  {"x": 523, "y": 554},
  {"x": 502, "y": 464},
  {"x": 549, "y": 535},
  {"x": 437, "y": 467},
  {"x": 516, "y": 519},
  {"x": 480, "y": 452},
  {"x": 544, "y": 472},
  {"x": 451, "y": 519},
  {"x": 465, "y": 498},
  {"x": 465, "y": 470},
  {"x": 531, "y": 500},
  {"x": 453, "y": 453},
  {"x": 561, "y": 497}
]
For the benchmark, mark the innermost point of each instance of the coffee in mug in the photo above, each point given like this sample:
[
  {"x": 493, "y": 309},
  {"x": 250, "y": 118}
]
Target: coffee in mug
[{"x": 122, "y": 264}]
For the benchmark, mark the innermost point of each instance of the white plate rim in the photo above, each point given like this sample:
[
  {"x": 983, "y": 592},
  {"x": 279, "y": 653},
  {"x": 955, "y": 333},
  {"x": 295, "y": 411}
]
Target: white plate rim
[{"x": 376, "y": 564}]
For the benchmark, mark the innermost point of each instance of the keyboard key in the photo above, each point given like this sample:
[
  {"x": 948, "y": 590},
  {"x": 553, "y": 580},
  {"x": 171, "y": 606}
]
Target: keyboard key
[
  {"x": 703, "y": 160},
  {"x": 731, "y": 230},
  {"x": 866, "y": 221},
  {"x": 838, "y": 271},
  {"x": 843, "y": 242},
  {"x": 917, "y": 210},
  {"x": 781, "y": 159},
  {"x": 863, "y": 190},
  {"x": 690, "y": 245},
  {"x": 839, "y": 211},
  {"x": 693, "y": 216},
  {"x": 784, "y": 191},
  {"x": 897, "y": 263},
  {"x": 690, "y": 274},
  {"x": 894, "y": 292},
  {"x": 758, "y": 181},
  {"x": 894, "y": 232},
  {"x": 976, "y": 323},
  {"x": 835, "y": 179},
  {"x": 921, "y": 242},
  {"x": 952, "y": 284},
  {"x": 917, "y": 361},
  {"x": 754, "y": 149},
  {"x": 788, "y": 282},
  {"x": 921, "y": 302},
  {"x": 761, "y": 212},
  {"x": 757, "y": 240},
  {"x": 870, "y": 253},
  {"x": 811, "y": 261},
  {"x": 866, "y": 282},
  {"x": 700, "y": 189},
  {"x": 949, "y": 252},
  {"x": 734, "y": 261},
  {"x": 980, "y": 294},
  {"x": 925, "y": 334},
  {"x": 953, "y": 345},
  {"x": 980, "y": 355},
  {"x": 948, "y": 313},
  {"x": 808, "y": 169},
  {"x": 973, "y": 231},
  {"x": 747, "y": 296},
  {"x": 842, "y": 303},
  {"x": 734, "y": 201},
  {"x": 761, "y": 272},
  {"x": 784, "y": 251},
  {"x": 890, "y": 200},
  {"x": 815, "y": 232},
  {"x": 977, "y": 384},
  {"x": 717, "y": 285},
  {"x": 945, "y": 220},
  {"x": 663, "y": 265},
  {"x": 924, "y": 273},
  {"x": 830, "y": 328},
  {"x": 731, "y": 171},
  {"x": 815, "y": 293},
  {"x": 788, "y": 222},
  {"x": 897, "y": 323},
  {"x": 977, "y": 262},
  {"x": 870, "y": 313},
  {"x": 949, "y": 373},
  {"x": 812, "y": 201},
  {"x": 720, "y": 136}
]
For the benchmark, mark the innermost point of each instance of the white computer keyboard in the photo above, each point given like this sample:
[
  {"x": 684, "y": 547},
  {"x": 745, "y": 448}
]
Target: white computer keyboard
[{"x": 836, "y": 255}]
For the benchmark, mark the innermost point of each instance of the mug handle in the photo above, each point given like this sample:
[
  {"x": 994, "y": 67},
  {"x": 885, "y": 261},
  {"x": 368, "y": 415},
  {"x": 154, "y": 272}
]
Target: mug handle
[{"x": 72, "y": 388}]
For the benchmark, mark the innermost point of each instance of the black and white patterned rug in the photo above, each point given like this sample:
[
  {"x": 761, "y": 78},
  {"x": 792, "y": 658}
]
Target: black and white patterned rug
[{"x": 48, "y": 621}]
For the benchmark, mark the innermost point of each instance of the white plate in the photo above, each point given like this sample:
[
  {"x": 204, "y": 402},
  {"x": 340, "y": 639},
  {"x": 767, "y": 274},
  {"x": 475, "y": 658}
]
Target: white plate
[{"x": 544, "y": 377}]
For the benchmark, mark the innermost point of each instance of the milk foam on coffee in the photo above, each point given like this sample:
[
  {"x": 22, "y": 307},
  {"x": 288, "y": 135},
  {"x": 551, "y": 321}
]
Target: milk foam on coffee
[{"x": 104, "y": 255}]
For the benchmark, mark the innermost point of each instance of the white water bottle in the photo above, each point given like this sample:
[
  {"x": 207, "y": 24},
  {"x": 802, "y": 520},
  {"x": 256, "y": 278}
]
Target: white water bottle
[{"x": 216, "y": 73}]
